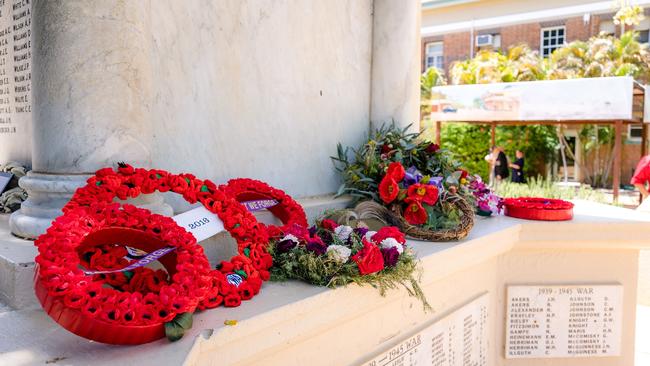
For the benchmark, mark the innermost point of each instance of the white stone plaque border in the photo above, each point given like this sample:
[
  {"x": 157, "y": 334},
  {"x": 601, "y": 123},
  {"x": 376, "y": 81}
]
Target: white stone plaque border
[
  {"x": 557, "y": 321},
  {"x": 459, "y": 338}
]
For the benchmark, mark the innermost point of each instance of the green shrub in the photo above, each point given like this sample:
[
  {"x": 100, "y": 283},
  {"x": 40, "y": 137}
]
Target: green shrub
[
  {"x": 538, "y": 187},
  {"x": 470, "y": 143}
]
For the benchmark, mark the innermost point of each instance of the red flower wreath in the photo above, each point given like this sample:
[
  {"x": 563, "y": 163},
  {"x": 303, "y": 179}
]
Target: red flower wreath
[
  {"x": 84, "y": 306},
  {"x": 536, "y": 208},
  {"x": 92, "y": 206},
  {"x": 287, "y": 209}
]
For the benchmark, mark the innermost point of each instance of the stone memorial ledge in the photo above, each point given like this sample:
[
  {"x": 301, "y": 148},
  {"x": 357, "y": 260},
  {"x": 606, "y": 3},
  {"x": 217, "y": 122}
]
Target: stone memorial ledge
[{"x": 297, "y": 324}]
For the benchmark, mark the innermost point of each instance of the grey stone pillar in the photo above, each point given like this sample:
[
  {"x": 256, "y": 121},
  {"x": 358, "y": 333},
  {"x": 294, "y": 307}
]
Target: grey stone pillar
[
  {"x": 395, "y": 88},
  {"x": 91, "y": 88}
]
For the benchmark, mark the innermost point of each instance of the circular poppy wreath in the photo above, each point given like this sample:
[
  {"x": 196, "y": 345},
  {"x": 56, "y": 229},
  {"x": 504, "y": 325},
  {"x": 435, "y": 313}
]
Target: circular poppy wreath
[
  {"x": 287, "y": 210},
  {"x": 536, "y": 208},
  {"x": 249, "y": 268},
  {"x": 84, "y": 305}
]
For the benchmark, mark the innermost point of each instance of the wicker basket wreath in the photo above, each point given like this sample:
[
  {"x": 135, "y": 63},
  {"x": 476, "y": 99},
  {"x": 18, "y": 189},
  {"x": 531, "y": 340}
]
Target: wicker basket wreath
[{"x": 376, "y": 215}]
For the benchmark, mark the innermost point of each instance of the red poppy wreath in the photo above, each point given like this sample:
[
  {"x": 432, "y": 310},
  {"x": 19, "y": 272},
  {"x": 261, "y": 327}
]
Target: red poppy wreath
[
  {"x": 536, "y": 208},
  {"x": 142, "y": 304}
]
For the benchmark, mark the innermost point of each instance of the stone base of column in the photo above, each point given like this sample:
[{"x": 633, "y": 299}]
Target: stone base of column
[{"x": 48, "y": 193}]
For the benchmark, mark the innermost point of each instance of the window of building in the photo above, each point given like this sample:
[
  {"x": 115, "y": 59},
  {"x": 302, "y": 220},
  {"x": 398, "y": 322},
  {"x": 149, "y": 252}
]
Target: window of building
[
  {"x": 551, "y": 38},
  {"x": 608, "y": 27},
  {"x": 634, "y": 132},
  {"x": 642, "y": 30},
  {"x": 434, "y": 55}
]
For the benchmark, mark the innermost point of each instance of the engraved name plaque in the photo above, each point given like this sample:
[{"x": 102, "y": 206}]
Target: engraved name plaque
[
  {"x": 564, "y": 321},
  {"x": 15, "y": 80},
  {"x": 460, "y": 338}
]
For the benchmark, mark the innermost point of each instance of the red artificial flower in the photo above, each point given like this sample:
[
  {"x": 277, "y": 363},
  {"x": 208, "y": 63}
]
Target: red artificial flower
[
  {"x": 432, "y": 148},
  {"x": 232, "y": 300},
  {"x": 423, "y": 192},
  {"x": 125, "y": 169},
  {"x": 328, "y": 224},
  {"x": 389, "y": 232},
  {"x": 396, "y": 171},
  {"x": 415, "y": 214},
  {"x": 388, "y": 189},
  {"x": 245, "y": 291},
  {"x": 369, "y": 259}
]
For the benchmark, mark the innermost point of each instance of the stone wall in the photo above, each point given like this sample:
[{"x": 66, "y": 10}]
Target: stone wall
[{"x": 260, "y": 89}]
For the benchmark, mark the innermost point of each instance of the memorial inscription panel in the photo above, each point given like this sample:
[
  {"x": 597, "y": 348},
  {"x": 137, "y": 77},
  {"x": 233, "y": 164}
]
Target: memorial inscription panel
[
  {"x": 460, "y": 338},
  {"x": 564, "y": 321},
  {"x": 15, "y": 80}
]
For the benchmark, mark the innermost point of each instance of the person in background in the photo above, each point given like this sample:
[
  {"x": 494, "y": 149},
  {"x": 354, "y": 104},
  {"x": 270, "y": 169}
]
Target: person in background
[
  {"x": 641, "y": 176},
  {"x": 500, "y": 165},
  {"x": 518, "y": 168}
]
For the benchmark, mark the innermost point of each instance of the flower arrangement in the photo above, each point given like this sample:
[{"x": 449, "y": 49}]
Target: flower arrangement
[
  {"x": 413, "y": 178},
  {"x": 487, "y": 202},
  {"x": 536, "y": 208},
  {"x": 115, "y": 300},
  {"x": 332, "y": 255}
]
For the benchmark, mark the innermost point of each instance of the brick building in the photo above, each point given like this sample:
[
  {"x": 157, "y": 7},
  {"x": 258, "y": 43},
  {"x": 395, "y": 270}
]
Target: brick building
[{"x": 455, "y": 30}]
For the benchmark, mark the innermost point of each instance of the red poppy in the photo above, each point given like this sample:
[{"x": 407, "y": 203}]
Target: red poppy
[
  {"x": 423, "y": 192},
  {"x": 328, "y": 224},
  {"x": 388, "y": 189},
  {"x": 232, "y": 300},
  {"x": 369, "y": 259},
  {"x": 396, "y": 170},
  {"x": 389, "y": 232},
  {"x": 415, "y": 214}
]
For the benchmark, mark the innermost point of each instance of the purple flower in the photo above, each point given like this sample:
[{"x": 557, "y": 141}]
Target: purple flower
[
  {"x": 312, "y": 230},
  {"x": 286, "y": 245},
  {"x": 391, "y": 255},
  {"x": 316, "y": 246},
  {"x": 436, "y": 181},
  {"x": 361, "y": 231},
  {"x": 412, "y": 176}
]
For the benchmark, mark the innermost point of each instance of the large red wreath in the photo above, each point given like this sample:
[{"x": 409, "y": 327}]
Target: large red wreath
[
  {"x": 91, "y": 225},
  {"x": 536, "y": 208}
]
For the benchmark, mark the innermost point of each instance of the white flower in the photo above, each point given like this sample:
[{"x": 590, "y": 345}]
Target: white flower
[
  {"x": 391, "y": 243},
  {"x": 291, "y": 237},
  {"x": 343, "y": 232},
  {"x": 339, "y": 253},
  {"x": 369, "y": 235}
]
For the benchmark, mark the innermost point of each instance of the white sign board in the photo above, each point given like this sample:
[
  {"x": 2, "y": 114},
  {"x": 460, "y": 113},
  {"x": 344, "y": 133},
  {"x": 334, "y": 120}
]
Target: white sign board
[
  {"x": 564, "y": 321},
  {"x": 544, "y": 100},
  {"x": 460, "y": 338}
]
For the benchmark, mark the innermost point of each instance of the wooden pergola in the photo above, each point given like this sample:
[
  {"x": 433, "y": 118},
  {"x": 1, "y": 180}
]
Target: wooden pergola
[{"x": 613, "y": 101}]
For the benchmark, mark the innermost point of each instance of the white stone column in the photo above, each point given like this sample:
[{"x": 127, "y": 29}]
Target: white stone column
[
  {"x": 91, "y": 88},
  {"x": 395, "y": 84}
]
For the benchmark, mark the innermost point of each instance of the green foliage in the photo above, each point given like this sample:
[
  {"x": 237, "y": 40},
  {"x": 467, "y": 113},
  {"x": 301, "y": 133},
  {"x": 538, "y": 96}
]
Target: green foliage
[
  {"x": 326, "y": 270},
  {"x": 470, "y": 143},
  {"x": 601, "y": 56},
  {"x": 519, "y": 63},
  {"x": 175, "y": 328},
  {"x": 538, "y": 187},
  {"x": 429, "y": 79}
]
